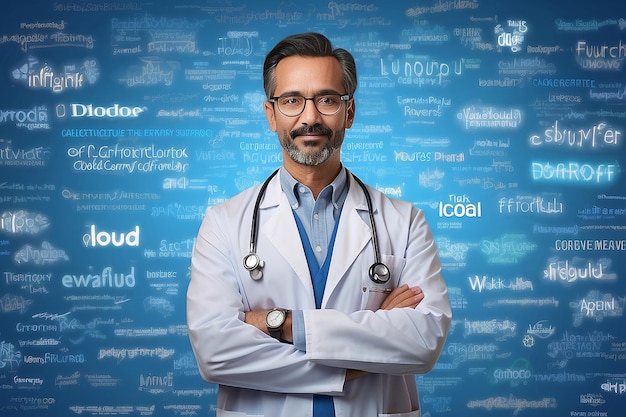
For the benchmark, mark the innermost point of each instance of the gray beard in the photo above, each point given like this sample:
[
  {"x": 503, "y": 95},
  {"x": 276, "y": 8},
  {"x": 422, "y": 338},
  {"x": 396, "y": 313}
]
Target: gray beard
[{"x": 310, "y": 159}]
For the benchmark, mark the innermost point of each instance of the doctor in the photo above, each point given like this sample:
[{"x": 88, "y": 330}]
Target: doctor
[{"x": 315, "y": 295}]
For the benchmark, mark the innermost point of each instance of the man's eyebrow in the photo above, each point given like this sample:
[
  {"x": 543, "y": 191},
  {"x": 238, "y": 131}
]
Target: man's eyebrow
[
  {"x": 329, "y": 91},
  {"x": 298, "y": 93},
  {"x": 290, "y": 93}
]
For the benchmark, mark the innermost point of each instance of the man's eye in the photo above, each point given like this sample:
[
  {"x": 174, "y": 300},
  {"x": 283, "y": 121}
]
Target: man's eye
[
  {"x": 290, "y": 101},
  {"x": 326, "y": 100}
]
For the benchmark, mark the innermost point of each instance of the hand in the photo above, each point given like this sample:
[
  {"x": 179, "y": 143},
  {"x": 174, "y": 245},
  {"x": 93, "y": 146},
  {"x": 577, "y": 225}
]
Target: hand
[{"x": 403, "y": 296}]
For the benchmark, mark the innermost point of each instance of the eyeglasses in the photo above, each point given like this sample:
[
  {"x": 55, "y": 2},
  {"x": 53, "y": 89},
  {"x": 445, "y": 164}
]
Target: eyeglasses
[{"x": 292, "y": 105}]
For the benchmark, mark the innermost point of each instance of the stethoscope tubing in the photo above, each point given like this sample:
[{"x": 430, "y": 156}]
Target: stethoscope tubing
[
  {"x": 370, "y": 213},
  {"x": 378, "y": 272},
  {"x": 255, "y": 218}
]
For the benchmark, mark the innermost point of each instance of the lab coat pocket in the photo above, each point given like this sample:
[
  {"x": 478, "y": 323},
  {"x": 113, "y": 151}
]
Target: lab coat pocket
[
  {"x": 416, "y": 413},
  {"x": 374, "y": 293}
]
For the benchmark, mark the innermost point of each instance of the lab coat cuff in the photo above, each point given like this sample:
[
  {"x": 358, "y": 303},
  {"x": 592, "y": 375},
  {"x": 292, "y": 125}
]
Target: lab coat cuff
[{"x": 298, "y": 329}]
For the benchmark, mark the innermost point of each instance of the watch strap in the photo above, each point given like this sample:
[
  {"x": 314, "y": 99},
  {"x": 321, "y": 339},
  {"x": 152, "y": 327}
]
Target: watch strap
[{"x": 276, "y": 333}]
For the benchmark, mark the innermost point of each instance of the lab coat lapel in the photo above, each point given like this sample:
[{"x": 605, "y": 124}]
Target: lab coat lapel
[
  {"x": 282, "y": 231},
  {"x": 352, "y": 236}
]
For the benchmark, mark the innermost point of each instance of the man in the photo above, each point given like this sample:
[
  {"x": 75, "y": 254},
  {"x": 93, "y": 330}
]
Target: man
[{"x": 353, "y": 325}]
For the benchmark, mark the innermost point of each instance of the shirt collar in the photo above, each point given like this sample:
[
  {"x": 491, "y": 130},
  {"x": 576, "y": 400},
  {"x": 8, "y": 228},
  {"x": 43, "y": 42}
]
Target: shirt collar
[{"x": 338, "y": 188}]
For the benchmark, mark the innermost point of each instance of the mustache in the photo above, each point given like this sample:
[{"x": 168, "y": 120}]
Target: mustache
[{"x": 316, "y": 129}]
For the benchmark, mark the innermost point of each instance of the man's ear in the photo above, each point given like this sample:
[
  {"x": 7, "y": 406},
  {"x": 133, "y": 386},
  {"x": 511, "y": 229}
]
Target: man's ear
[
  {"x": 350, "y": 112},
  {"x": 270, "y": 115}
]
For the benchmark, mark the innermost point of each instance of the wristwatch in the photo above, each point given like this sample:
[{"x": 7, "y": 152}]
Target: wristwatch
[{"x": 274, "y": 321}]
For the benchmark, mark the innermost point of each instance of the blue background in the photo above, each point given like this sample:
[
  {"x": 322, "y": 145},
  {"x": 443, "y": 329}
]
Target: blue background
[{"x": 457, "y": 106}]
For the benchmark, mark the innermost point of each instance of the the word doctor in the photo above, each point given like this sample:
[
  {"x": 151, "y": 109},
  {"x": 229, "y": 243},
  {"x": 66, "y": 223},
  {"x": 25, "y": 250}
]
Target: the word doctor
[{"x": 313, "y": 294}]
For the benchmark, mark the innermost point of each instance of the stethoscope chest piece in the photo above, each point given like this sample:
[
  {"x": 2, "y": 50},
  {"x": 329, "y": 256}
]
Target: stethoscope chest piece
[
  {"x": 253, "y": 264},
  {"x": 379, "y": 273}
]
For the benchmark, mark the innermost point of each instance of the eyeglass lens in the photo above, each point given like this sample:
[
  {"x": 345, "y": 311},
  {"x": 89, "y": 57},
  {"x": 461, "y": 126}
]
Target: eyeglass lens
[{"x": 293, "y": 105}]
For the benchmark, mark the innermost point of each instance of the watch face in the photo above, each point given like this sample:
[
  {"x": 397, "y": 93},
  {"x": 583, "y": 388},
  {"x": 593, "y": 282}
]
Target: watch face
[{"x": 275, "y": 318}]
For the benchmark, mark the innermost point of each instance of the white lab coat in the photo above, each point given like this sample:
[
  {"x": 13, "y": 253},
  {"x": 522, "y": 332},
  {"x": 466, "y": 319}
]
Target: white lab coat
[{"x": 259, "y": 376}]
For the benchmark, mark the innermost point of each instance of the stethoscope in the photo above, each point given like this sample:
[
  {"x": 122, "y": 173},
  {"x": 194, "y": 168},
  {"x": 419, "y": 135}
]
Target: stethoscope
[{"x": 378, "y": 272}]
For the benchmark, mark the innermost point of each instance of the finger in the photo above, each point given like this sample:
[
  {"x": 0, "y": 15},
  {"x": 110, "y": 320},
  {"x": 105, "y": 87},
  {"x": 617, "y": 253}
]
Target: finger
[
  {"x": 387, "y": 303},
  {"x": 405, "y": 297},
  {"x": 397, "y": 298},
  {"x": 412, "y": 302}
]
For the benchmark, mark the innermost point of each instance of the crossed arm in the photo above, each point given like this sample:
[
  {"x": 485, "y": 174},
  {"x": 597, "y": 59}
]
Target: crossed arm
[{"x": 400, "y": 297}]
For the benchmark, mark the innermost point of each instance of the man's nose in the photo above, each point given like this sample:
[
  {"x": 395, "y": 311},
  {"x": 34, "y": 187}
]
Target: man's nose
[{"x": 310, "y": 115}]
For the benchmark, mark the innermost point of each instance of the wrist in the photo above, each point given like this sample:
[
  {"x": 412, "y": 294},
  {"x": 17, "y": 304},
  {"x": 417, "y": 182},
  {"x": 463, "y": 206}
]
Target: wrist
[
  {"x": 278, "y": 324},
  {"x": 287, "y": 330}
]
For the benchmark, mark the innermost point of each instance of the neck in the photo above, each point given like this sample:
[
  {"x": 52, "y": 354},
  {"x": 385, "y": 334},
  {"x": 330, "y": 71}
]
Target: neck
[{"x": 314, "y": 177}]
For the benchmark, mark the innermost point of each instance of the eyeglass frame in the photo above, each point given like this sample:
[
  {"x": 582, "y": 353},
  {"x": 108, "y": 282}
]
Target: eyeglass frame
[{"x": 342, "y": 98}]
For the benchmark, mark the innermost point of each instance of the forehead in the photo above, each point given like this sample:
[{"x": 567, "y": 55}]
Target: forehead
[{"x": 308, "y": 75}]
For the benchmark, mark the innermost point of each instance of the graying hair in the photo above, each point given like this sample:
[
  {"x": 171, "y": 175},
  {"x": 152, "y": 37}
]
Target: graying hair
[{"x": 308, "y": 45}]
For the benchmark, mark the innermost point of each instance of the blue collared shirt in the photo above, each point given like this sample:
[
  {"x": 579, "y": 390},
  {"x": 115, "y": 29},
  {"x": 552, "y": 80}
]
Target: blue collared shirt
[{"x": 318, "y": 216}]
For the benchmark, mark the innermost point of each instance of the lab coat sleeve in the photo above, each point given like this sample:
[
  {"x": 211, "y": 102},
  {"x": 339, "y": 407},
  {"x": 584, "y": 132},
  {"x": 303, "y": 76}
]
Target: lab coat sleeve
[
  {"x": 229, "y": 351},
  {"x": 397, "y": 341}
]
